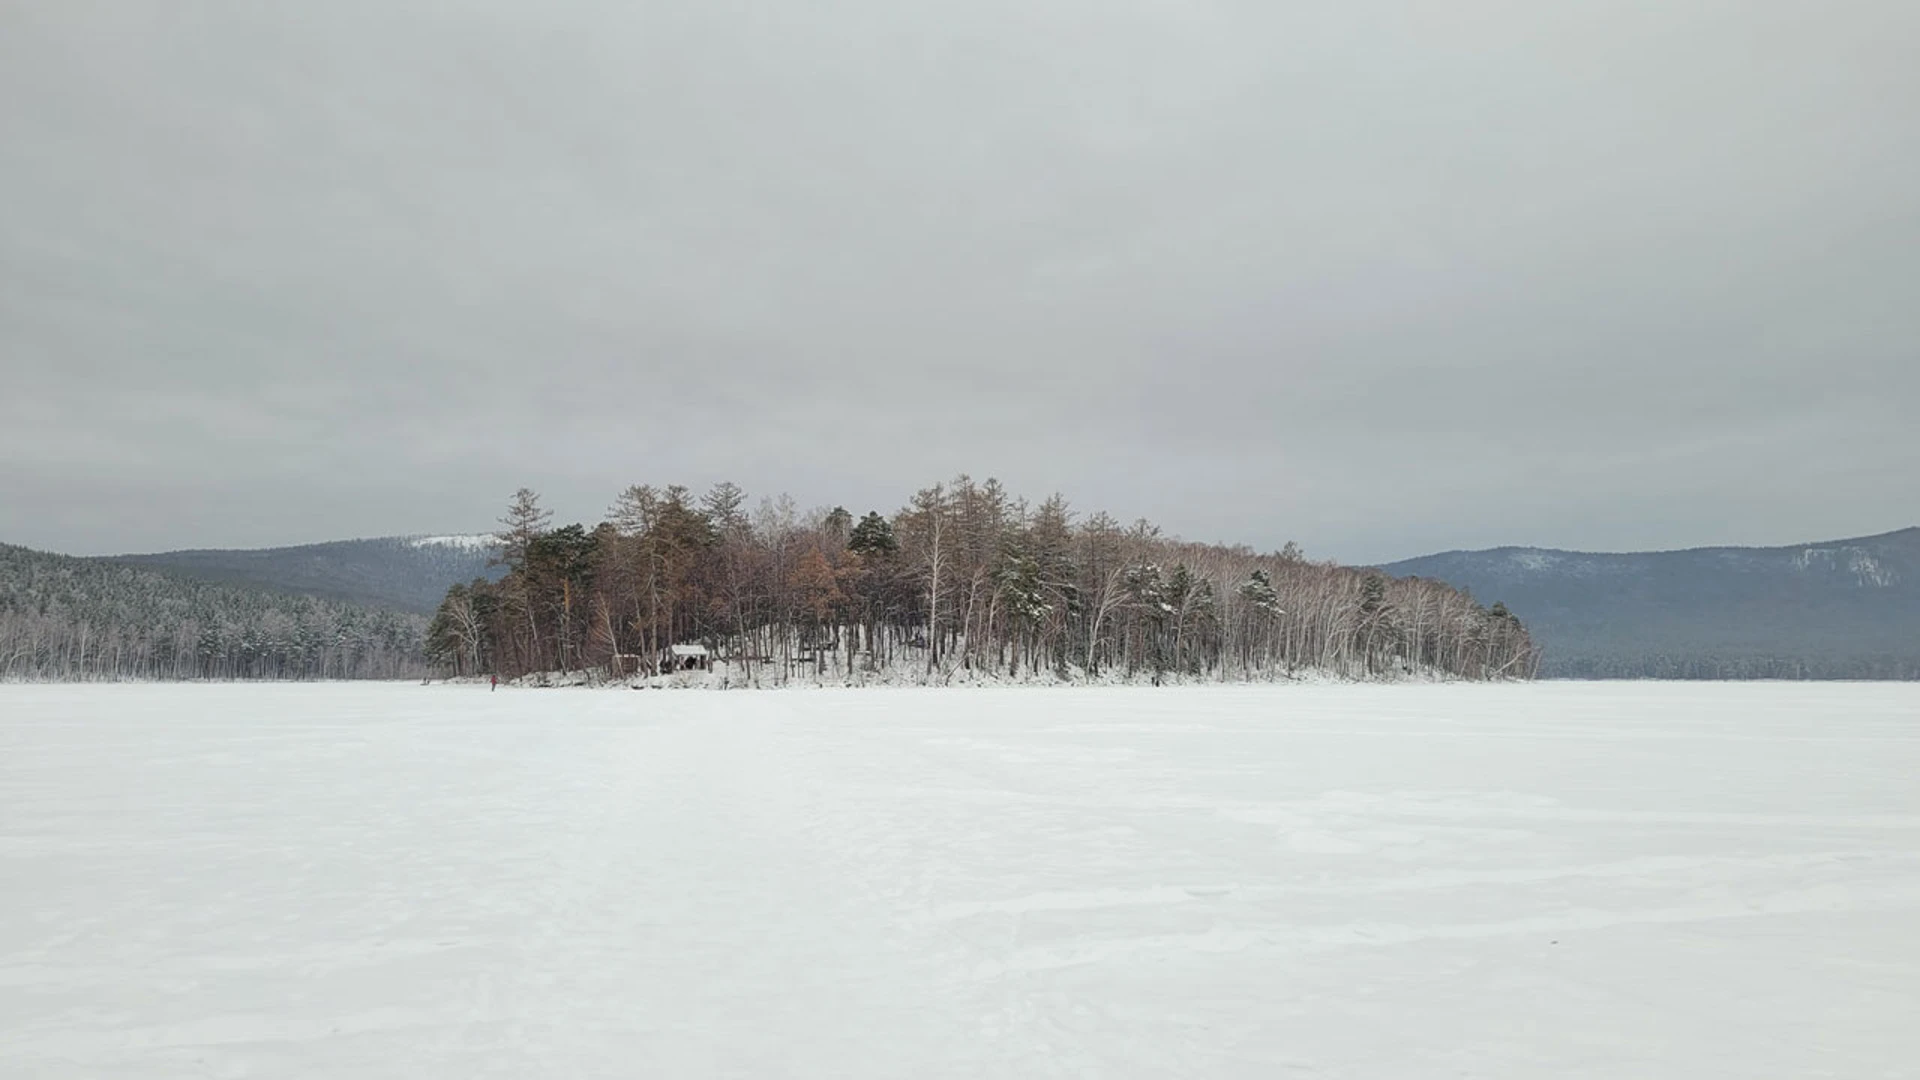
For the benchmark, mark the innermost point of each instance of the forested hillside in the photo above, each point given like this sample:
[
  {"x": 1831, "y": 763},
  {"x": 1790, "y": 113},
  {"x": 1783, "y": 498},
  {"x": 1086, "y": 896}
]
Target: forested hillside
[
  {"x": 69, "y": 618},
  {"x": 1841, "y": 609},
  {"x": 410, "y": 573},
  {"x": 964, "y": 578}
]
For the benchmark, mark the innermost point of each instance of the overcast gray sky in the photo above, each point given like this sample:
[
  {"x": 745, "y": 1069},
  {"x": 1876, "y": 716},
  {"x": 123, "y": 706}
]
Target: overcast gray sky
[{"x": 1380, "y": 277}]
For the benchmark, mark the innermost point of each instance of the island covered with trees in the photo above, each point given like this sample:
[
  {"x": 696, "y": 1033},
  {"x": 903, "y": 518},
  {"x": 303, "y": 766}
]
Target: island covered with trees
[{"x": 966, "y": 582}]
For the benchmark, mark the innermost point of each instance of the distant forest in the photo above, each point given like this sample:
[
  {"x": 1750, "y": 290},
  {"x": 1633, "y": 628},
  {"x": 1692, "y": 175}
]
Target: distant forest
[
  {"x": 1834, "y": 609},
  {"x": 1677, "y": 664},
  {"x": 965, "y": 578},
  {"x": 71, "y": 619}
]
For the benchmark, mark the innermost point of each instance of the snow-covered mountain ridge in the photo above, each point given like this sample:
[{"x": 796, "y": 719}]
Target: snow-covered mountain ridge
[{"x": 405, "y": 573}]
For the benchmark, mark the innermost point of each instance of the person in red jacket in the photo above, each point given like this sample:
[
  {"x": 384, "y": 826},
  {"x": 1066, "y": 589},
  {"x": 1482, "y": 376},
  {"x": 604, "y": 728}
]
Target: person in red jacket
[{"x": 493, "y": 682}]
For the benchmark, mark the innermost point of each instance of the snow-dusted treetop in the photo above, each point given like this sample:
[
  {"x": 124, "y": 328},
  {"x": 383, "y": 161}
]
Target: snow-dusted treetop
[{"x": 464, "y": 541}]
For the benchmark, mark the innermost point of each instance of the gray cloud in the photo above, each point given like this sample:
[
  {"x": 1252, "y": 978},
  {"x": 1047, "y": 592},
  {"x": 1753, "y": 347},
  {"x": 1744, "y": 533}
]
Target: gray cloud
[{"x": 1380, "y": 277}]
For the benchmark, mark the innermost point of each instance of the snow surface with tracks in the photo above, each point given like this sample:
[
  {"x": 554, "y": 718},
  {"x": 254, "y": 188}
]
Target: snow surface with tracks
[{"x": 1551, "y": 880}]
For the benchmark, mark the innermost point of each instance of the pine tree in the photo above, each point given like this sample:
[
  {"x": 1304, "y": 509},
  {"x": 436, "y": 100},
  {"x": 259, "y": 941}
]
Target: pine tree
[
  {"x": 873, "y": 536},
  {"x": 523, "y": 523}
]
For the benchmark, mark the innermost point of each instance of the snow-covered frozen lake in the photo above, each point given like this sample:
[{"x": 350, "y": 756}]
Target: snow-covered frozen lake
[{"x": 1555, "y": 880}]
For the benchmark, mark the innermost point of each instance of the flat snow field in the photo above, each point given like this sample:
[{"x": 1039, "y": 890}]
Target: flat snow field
[{"x": 1545, "y": 881}]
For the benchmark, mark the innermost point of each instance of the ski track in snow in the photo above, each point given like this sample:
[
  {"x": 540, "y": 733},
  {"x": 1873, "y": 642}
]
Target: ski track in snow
[{"x": 1321, "y": 881}]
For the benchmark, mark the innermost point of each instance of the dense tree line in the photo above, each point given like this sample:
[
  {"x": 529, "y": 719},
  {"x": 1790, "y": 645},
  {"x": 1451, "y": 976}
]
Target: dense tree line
[
  {"x": 64, "y": 618},
  {"x": 964, "y": 578}
]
